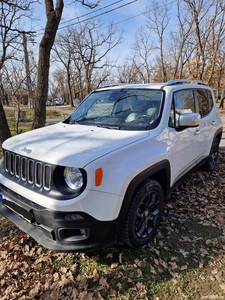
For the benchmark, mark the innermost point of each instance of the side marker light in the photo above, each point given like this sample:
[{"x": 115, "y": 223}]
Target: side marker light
[{"x": 98, "y": 176}]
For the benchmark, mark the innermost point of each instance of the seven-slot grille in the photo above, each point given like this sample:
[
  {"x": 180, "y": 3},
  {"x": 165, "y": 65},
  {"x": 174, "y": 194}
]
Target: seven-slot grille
[{"x": 28, "y": 170}]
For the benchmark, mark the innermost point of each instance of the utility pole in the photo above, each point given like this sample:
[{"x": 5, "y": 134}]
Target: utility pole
[{"x": 27, "y": 66}]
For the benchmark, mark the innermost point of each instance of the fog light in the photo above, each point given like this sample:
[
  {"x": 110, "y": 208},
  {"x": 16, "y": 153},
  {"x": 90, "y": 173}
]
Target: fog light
[{"x": 71, "y": 235}]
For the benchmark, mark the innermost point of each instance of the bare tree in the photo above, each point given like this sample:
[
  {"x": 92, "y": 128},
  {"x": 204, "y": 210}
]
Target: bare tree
[
  {"x": 12, "y": 12},
  {"x": 216, "y": 41},
  {"x": 181, "y": 44},
  {"x": 196, "y": 42},
  {"x": 199, "y": 10},
  {"x": 59, "y": 84},
  {"x": 16, "y": 78},
  {"x": 83, "y": 53},
  {"x": 157, "y": 21},
  {"x": 219, "y": 79},
  {"x": 142, "y": 50},
  {"x": 92, "y": 47},
  {"x": 128, "y": 72},
  {"x": 53, "y": 14},
  {"x": 64, "y": 50}
]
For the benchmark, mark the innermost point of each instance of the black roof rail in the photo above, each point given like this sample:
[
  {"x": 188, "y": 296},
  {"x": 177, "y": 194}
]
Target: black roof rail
[{"x": 183, "y": 81}]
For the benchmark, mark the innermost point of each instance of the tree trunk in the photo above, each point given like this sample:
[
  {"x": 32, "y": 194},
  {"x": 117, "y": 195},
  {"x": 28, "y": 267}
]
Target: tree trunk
[
  {"x": 4, "y": 132},
  {"x": 69, "y": 83},
  {"x": 41, "y": 95}
]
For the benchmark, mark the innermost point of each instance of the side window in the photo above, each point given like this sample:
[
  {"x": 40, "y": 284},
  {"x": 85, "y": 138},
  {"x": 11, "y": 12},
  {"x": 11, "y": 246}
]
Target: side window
[
  {"x": 183, "y": 102},
  {"x": 203, "y": 103}
]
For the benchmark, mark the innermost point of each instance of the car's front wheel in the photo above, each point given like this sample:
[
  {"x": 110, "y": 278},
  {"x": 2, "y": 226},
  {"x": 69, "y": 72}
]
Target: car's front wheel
[{"x": 144, "y": 215}]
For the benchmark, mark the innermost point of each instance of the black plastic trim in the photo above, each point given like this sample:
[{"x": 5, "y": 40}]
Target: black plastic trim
[
  {"x": 159, "y": 172},
  {"x": 44, "y": 225}
]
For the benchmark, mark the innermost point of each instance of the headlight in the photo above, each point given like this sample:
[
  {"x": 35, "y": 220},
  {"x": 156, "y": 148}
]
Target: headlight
[{"x": 73, "y": 178}]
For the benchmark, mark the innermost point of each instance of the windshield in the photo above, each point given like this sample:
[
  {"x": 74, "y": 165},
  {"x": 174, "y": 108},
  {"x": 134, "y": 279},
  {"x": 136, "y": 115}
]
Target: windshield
[{"x": 126, "y": 109}]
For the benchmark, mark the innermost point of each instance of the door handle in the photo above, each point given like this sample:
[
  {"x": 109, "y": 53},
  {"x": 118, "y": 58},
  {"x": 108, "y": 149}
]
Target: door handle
[
  {"x": 213, "y": 122},
  {"x": 197, "y": 131}
]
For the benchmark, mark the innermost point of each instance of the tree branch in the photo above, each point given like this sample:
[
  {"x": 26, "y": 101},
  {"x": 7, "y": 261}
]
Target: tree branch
[
  {"x": 17, "y": 30},
  {"x": 16, "y": 4},
  {"x": 89, "y": 4}
]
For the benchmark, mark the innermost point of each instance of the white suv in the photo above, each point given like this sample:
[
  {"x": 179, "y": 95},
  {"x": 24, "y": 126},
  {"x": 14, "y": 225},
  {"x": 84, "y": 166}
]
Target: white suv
[{"x": 104, "y": 173}]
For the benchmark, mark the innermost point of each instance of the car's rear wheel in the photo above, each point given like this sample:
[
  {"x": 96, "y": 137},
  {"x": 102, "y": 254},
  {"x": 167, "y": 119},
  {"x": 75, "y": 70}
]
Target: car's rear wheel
[
  {"x": 144, "y": 215},
  {"x": 211, "y": 163}
]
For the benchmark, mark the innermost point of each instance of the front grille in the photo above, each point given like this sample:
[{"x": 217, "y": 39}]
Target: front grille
[{"x": 28, "y": 170}]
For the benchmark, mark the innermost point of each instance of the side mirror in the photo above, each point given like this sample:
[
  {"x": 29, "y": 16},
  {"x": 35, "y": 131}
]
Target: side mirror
[{"x": 189, "y": 120}]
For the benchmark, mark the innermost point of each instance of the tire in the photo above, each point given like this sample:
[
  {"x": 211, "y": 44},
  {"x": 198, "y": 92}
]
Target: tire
[
  {"x": 211, "y": 163},
  {"x": 144, "y": 214}
]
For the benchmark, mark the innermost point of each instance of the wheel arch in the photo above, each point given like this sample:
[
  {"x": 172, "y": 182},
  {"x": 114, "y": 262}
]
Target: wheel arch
[
  {"x": 218, "y": 135},
  {"x": 159, "y": 172}
]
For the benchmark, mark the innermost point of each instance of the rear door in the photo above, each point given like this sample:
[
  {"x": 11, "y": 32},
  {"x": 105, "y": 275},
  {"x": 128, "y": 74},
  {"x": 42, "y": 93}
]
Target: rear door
[{"x": 206, "y": 127}]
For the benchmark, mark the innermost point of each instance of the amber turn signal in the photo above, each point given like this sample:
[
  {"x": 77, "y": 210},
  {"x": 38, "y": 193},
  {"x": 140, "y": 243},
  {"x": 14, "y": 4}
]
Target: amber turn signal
[{"x": 98, "y": 176}]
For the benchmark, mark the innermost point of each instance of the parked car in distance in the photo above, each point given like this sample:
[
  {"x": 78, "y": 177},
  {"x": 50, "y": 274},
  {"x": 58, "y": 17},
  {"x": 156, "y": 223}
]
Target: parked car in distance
[
  {"x": 104, "y": 173},
  {"x": 58, "y": 101}
]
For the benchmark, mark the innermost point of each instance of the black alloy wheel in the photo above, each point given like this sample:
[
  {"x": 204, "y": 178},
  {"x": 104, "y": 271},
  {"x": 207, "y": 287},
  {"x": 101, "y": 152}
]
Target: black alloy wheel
[{"x": 144, "y": 215}]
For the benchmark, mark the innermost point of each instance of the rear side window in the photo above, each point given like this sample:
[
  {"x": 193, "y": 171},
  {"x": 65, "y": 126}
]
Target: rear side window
[
  {"x": 183, "y": 103},
  {"x": 203, "y": 102},
  {"x": 210, "y": 97}
]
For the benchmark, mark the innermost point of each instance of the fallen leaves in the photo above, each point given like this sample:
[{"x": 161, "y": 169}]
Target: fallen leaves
[
  {"x": 183, "y": 268},
  {"x": 140, "y": 263},
  {"x": 173, "y": 265},
  {"x": 191, "y": 238}
]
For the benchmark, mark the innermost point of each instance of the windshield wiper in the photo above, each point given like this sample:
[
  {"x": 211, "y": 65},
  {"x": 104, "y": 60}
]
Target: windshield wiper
[
  {"x": 109, "y": 126},
  {"x": 74, "y": 122}
]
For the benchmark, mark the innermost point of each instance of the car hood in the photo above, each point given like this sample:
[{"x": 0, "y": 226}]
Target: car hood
[{"x": 63, "y": 144}]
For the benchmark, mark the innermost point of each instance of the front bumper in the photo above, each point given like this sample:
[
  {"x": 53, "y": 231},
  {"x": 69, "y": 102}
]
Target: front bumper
[{"x": 55, "y": 230}]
